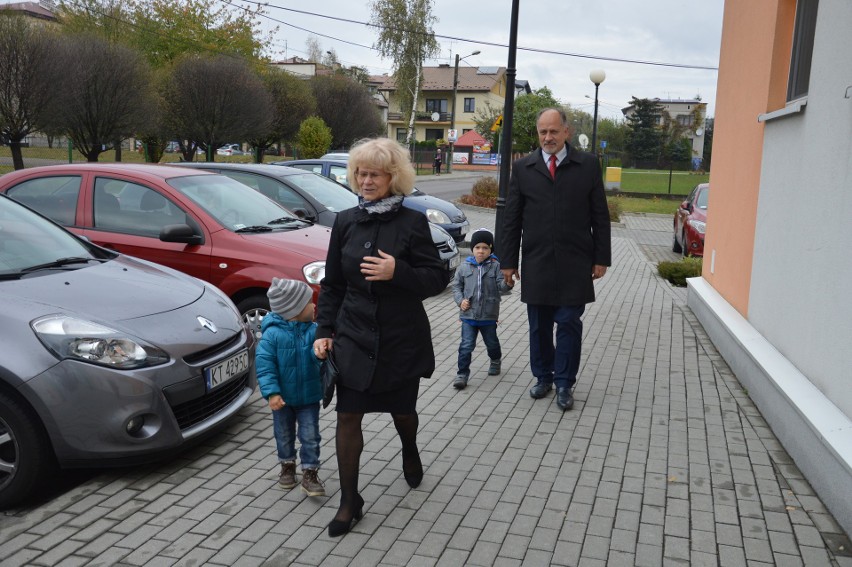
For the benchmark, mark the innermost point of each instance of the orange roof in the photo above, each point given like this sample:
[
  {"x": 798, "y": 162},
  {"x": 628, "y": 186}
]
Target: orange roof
[{"x": 471, "y": 138}]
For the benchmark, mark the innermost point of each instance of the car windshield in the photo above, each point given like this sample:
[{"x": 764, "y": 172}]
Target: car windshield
[
  {"x": 701, "y": 201},
  {"x": 28, "y": 240},
  {"x": 234, "y": 205},
  {"x": 333, "y": 197}
]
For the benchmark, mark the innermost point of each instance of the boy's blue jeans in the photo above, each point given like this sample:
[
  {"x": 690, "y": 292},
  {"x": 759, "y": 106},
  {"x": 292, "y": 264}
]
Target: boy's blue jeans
[
  {"x": 284, "y": 423},
  {"x": 468, "y": 342}
]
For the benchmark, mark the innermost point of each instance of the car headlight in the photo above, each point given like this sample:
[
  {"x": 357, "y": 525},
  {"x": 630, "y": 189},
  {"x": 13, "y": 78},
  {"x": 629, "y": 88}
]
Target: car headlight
[
  {"x": 78, "y": 339},
  {"x": 437, "y": 217},
  {"x": 314, "y": 272},
  {"x": 698, "y": 225}
]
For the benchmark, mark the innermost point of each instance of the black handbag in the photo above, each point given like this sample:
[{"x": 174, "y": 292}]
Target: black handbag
[{"x": 328, "y": 374}]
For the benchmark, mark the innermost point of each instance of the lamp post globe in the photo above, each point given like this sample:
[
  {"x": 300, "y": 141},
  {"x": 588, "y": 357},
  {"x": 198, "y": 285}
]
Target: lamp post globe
[
  {"x": 597, "y": 76},
  {"x": 453, "y": 110}
]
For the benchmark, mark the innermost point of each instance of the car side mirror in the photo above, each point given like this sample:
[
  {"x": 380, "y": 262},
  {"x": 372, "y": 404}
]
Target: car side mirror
[
  {"x": 303, "y": 214},
  {"x": 180, "y": 233}
]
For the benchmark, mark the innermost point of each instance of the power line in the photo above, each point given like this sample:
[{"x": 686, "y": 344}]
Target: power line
[
  {"x": 473, "y": 41},
  {"x": 295, "y": 26}
]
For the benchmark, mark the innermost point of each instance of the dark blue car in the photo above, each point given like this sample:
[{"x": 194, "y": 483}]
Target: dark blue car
[{"x": 438, "y": 211}]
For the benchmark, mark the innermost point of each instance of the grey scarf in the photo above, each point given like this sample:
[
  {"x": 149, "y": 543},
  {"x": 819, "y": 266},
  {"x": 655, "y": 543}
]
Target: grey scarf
[{"x": 380, "y": 206}]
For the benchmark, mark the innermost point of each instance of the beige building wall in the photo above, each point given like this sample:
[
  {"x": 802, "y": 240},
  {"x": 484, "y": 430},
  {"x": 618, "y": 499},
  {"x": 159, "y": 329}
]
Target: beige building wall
[{"x": 464, "y": 120}]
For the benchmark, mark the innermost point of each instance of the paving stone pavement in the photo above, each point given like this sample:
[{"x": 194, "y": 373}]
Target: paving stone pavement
[{"x": 664, "y": 460}]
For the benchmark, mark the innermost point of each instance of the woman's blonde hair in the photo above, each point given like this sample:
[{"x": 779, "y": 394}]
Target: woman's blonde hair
[{"x": 386, "y": 155}]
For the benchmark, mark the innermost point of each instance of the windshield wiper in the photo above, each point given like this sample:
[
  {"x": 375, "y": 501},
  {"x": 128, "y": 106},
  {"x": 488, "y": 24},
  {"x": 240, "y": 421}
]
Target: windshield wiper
[
  {"x": 290, "y": 220},
  {"x": 60, "y": 263},
  {"x": 255, "y": 228}
]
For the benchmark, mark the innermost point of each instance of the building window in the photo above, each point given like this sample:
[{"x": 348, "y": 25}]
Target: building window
[
  {"x": 434, "y": 133},
  {"x": 686, "y": 119},
  {"x": 401, "y": 133},
  {"x": 470, "y": 105},
  {"x": 436, "y": 105},
  {"x": 803, "y": 49},
  {"x": 466, "y": 130}
]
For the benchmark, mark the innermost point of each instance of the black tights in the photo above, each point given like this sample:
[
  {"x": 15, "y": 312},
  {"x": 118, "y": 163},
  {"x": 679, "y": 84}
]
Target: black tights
[
  {"x": 349, "y": 443},
  {"x": 406, "y": 426}
]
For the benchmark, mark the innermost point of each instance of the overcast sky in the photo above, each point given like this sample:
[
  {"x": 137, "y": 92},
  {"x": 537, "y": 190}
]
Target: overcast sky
[{"x": 680, "y": 32}]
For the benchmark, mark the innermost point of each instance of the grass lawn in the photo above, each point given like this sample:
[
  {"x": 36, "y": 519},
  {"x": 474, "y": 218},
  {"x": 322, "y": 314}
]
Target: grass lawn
[
  {"x": 657, "y": 181},
  {"x": 638, "y": 205}
]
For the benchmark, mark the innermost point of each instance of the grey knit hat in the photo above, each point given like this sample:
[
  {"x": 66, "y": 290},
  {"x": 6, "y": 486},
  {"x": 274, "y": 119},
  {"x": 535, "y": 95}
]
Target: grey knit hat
[{"x": 287, "y": 298}]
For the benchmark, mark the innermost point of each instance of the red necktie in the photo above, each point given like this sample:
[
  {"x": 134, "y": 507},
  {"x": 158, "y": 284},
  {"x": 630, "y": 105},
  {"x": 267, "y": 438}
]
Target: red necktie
[{"x": 552, "y": 166}]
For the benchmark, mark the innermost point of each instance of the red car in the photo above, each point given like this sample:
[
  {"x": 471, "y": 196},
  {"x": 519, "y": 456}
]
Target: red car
[
  {"x": 200, "y": 223},
  {"x": 690, "y": 222}
]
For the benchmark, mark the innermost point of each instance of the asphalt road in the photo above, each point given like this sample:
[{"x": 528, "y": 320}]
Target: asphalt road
[{"x": 451, "y": 186}]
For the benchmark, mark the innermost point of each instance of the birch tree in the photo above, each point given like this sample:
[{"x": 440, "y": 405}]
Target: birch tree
[{"x": 406, "y": 36}]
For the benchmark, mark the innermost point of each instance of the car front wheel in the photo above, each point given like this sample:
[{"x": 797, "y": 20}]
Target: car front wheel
[
  {"x": 254, "y": 309},
  {"x": 26, "y": 457}
]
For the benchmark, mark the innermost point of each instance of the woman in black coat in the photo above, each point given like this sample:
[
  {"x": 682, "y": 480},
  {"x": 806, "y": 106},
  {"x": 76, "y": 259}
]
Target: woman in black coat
[{"x": 381, "y": 265}]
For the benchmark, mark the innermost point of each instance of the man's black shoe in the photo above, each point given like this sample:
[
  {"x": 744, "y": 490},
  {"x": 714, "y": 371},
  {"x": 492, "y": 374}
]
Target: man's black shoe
[
  {"x": 564, "y": 399},
  {"x": 540, "y": 390}
]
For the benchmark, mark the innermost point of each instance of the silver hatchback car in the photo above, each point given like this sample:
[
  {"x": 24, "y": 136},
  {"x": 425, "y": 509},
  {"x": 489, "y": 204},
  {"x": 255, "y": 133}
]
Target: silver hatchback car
[{"x": 105, "y": 359}]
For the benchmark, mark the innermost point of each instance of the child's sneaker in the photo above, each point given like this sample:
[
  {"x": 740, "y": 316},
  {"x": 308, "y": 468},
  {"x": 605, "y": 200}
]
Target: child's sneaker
[
  {"x": 494, "y": 369},
  {"x": 460, "y": 383},
  {"x": 287, "y": 478},
  {"x": 311, "y": 484}
]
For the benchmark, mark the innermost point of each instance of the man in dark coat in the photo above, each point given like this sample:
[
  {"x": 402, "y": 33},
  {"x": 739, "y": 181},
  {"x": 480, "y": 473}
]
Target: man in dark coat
[{"x": 557, "y": 204}]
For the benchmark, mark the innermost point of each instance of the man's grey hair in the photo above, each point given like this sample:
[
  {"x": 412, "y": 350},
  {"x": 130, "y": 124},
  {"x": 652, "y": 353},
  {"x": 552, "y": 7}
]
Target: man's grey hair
[{"x": 561, "y": 112}]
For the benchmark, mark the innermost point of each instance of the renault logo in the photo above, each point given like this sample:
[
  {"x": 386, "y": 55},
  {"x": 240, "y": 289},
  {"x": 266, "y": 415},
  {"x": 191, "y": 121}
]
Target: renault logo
[{"x": 207, "y": 324}]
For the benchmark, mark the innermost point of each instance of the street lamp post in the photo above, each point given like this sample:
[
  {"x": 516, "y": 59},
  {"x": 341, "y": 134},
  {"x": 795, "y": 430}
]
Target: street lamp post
[
  {"x": 597, "y": 76},
  {"x": 453, "y": 115}
]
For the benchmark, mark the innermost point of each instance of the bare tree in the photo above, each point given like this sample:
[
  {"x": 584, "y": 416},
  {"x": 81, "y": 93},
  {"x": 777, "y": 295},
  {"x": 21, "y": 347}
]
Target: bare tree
[
  {"x": 105, "y": 94},
  {"x": 314, "y": 49},
  {"x": 26, "y": 79},
  {"x": 347, "y": 108},
  {"x": 330, "y": 59},
  {"x": 292, "y": 101},
  {"x": 214, "y": 101}
]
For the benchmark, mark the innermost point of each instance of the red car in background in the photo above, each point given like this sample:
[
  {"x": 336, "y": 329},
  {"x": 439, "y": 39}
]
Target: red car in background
[
  {"x": 690, "y": 222},
  {"x": 203, "y": 224}
]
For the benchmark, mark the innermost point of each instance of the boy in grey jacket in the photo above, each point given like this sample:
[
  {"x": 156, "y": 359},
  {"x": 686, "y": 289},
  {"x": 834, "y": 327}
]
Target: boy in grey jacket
[{"x": 476, "y": 289}]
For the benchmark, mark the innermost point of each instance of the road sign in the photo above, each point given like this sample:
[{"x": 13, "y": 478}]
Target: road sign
[{"x": 497, "y": 123}]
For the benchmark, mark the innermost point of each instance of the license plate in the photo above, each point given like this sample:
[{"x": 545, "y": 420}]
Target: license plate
[
  {"x": 455, "y": 261},
  {"x": 217, "y": 375}
]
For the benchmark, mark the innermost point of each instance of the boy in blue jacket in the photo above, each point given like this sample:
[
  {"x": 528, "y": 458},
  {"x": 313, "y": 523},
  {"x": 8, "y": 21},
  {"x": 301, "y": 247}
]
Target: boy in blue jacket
[
  {"x": 477, "y": 288},
  {"x": 288, "y": 375}
]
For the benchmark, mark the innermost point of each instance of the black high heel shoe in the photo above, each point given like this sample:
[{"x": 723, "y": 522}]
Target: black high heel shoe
[
  {"x": 416, "y": 477},
  {"x": 339, "y": 527}
]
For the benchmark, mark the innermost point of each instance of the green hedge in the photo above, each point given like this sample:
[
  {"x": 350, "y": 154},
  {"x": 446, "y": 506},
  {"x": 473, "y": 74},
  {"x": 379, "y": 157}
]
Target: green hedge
[{"x": 677, "y": 272}]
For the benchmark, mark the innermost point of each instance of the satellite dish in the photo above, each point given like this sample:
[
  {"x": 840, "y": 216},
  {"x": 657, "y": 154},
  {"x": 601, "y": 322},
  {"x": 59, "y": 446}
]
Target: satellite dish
[
  {"x": 699, "y": 132},
  {"x": 584, "y": 141},
  {"x": 435, "y": 116}
]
